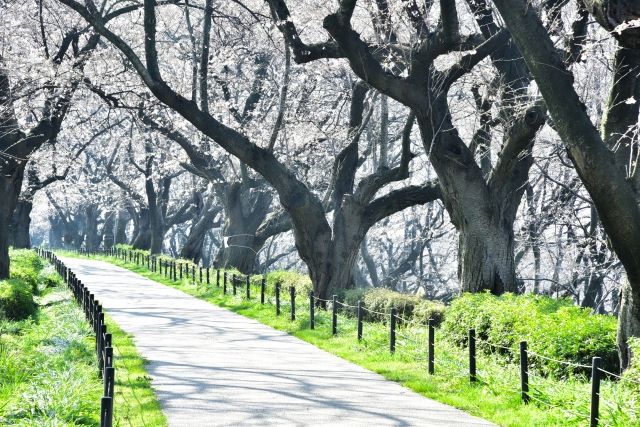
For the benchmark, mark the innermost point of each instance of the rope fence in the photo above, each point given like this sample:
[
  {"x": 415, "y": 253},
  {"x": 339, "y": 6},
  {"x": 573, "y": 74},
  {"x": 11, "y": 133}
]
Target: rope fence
[
  {"x": 398, "y": 330},
  {"x": 95, "y": 316}
]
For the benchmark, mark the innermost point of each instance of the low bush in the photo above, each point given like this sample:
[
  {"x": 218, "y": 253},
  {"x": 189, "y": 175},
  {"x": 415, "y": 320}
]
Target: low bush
[
  {"x": 25, "y": 266},
  {"x": 426, "y": 310},
  {"x": 552, "y": 328},
  {"x": 410, "y": 307},
  {"x": 632, "y": 373},
  {"x": 16, "y": 299},
  {"x": 49, "y": 278},
  {"x": 287, "y": 279}
]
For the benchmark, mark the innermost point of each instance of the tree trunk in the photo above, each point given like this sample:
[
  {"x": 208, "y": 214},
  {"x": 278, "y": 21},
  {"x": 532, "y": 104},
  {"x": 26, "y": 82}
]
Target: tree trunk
[
  {"x": 486, "y": 257},
  {"x": 192, "y": 248},
  {"x": 244, "y": 212},
  {"x": 628, "y": 321},
  {"x": 120, "y": 235},
  {"x": 108, "y": 230},
  {"x": 92, "y": 238},
  {"x": 19, "y": 225},
  {"x": 142, "y": 239},
  {"x": 10, "y": 186}
]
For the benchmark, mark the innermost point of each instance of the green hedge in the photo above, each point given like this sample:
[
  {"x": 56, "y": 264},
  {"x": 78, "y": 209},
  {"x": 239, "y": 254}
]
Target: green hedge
[
  {"x": 16, "y": 299},
  {"x": 553, "y": 328},
  {"x": 410, "y": 307},
  {"x": 25, "y": 266}
]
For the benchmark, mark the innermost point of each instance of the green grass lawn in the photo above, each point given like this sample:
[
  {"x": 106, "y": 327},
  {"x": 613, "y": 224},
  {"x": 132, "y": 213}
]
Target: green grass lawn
[
  {"x": 48, "y": 368},
  {"x": 495, "y": 396}
]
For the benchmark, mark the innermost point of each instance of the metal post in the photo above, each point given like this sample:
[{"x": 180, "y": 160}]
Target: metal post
[
  {"x": 360, "y": 313},
  {"x": 208, "y": 276},
  {"x": 248, "y": 287},
  {"x": 334, "y": 316},
  {"x": 431, "y": 348},
  {"x": 263, "y": 286},
  {"x": 224, "y": 289},
  {"x": 524, "y": 372},
  {"x": 292, "y": 296},
  {"x": 217, "y": 277},
  {"x": 392, "y": 330},
  {"x": 312, "y": 314},
  {"x": 472, "y": 355},
  {"x": 595, "y": 390},
  {"x": 233, "y": 282},
  {"x": 109, "y": 381},
  {"x": 106, "y": 412},
  {"x": 277, "y": 299}
]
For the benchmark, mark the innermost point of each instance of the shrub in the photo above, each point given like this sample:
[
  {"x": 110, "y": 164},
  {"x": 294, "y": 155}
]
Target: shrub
[
  {"x": 553, "y": 328},
  {"x": 426, "y": 310},
  {"x": 352, "y": 296},
  {"x": 16, "y": 299},
  {"x": 382, "y": 300},
  {"x": 302, "y": 282},
  {"x": 49, "y": 278},
  {"x": 25, "y": 266},
  {"x": 632, "y": 374}
]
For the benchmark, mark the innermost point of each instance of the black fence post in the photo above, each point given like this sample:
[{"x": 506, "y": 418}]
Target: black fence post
[
  {"x": 334, "y": 316},
  {"x": 217, "y": 277},
  {"x": 292, "y": 296},
  {"x": 595, "y": 390},
  {"x": 312, "y": 314},
  {"x": 106, "y": 411},
  {"x": 173, "y": 267},
  {"x": 248, "y": 287},
  {"x": 233, "y": 282},
  {"x": 524, "y": 372},
  {"x": 181, "y": 271},
  {"x": 392, "y": 330},
  {"x": 431, "y": 347},
  {"x": 200, "y": 275},
  {"x": 224, "y": 288},
  {"x": 263, "y": 286},
  {"x": 277, "y": 299},
  {"x": 360, "y": 313},
  {"x": 472, "y": 355},
  {"x": 208, "y": 277},
  {"x": 193, "y": 273},
  {"x": 109, "y": 381}
]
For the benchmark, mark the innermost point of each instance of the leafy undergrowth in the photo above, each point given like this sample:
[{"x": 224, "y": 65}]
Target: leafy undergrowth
[
  {"x": 48, "y": 367},
  {"x": 556, "y": 400}
]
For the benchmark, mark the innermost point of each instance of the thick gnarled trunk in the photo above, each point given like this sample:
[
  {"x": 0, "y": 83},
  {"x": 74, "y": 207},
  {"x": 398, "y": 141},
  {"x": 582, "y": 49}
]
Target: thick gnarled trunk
[
  {"x": 142, "y": 231},
  {"x": 628, "y": 321},
  {"x": 10, "y": 186},
  {"x": 244, "y": 213},
  {"x": 19, "y": 225},
  {"x": 486, "y": 258}
]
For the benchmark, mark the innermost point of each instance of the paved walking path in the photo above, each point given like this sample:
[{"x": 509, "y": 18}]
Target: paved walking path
[{"x": 213, "y": 367}]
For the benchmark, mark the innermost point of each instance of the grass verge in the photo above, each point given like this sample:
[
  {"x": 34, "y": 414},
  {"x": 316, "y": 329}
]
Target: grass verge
[
  {"x": 48, "y": 367},
  {"x": 495, "y": 396}
]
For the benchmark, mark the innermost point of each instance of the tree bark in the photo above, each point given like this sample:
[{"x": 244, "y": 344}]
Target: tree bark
[
  {"x": 142, "y": 238},
  {"x": 19, "y": 226},
  {"x": 628, "y": 321},
  {"x": 193, "y": 247},
  {"x": 120, "y": 234},
  {"x": 486, "y": 257},
  {"x": 244, "y": 212},
  {"x": 91, "y": 235}
]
